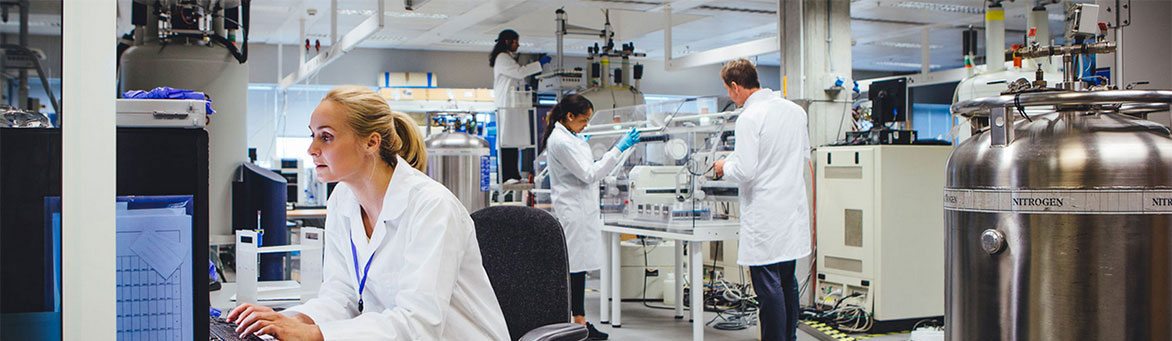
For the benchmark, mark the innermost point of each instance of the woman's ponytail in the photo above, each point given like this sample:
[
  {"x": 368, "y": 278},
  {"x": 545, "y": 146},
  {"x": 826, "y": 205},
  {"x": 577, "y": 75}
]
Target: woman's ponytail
[
  {"x": 368, "y": 113},
  {"x": 412, "y": 149},
  {"x": 550, "y": 123},
  {"x": 574, "y": 103}
]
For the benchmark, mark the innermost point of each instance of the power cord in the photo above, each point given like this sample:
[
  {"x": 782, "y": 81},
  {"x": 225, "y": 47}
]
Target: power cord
[{"x": 643, "y": 241}]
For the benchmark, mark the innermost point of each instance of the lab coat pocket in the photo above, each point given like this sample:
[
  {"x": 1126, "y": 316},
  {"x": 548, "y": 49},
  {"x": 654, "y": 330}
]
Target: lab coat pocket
[{"x": 388, "y": 286}]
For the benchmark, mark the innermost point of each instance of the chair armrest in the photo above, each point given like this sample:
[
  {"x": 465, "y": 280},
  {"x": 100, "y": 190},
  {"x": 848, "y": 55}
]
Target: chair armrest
[{"x": 557, "y": 332}]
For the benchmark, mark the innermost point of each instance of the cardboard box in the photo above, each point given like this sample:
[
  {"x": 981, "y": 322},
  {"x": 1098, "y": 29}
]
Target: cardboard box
[
  {"x": 484, "y": 95},
  {"x": 392, "y": 79},
  {"x": 388, "y": 93},
  {"x": 468, "y": 95},
  {"x": 410, "y": 94},
  {"x": 422, "y": 79},
  {"x": 439, "y": 94}
]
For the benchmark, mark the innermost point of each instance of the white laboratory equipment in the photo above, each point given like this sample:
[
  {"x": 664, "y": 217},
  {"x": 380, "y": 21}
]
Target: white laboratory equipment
[
  {"x": 880, "y": 231},
  {"x": 250, "y": 290},
  {"x": 667, "y": 181}
]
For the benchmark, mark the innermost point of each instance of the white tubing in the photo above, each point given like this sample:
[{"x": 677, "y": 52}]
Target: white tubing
[{"x": 994, "y": 39}]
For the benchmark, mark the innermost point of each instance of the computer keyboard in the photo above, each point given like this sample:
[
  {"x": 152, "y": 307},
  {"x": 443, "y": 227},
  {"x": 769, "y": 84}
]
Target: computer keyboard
[{"x": 221, "y": 330}]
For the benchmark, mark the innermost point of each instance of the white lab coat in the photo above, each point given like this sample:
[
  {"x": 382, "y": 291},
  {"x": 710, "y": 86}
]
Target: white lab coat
[
  {"x": 426, "y": 280},
  {"x": 573, "y": 178},
  {"x": 768, "y": 162},
  {"x": 507, "y": 76}
]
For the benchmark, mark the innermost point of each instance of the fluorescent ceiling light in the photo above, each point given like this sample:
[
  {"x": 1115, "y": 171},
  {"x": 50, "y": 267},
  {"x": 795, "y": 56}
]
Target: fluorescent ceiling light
[
  {"x": 478, "y": 42},
  {"x": 383, "y": 37},
  {"x": 368, "y": 12},
  {"x": 378, "y": 37},
  {"x": 950, "y": 8},
  {"x": 901, "y": 45},
  {"x": 907, "y": 65}
]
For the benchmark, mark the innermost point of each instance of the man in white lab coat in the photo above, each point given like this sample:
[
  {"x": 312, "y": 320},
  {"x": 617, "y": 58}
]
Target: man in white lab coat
[{"x": 768, "y": 162}]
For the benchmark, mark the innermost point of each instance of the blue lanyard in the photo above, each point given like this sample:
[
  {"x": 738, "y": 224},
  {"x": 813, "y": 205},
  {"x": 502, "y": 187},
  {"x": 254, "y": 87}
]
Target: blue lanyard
[{"x": 365, "y": 271}]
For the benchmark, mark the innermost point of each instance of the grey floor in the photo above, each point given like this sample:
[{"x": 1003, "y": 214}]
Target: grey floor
[{"x": 642, "y": 323}]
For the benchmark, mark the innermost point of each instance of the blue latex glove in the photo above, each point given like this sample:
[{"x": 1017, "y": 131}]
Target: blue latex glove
[
  {"x": 544, "y": 60},
  {"x": 169, "y": 93},
  {"x": 629, "y": 140}
]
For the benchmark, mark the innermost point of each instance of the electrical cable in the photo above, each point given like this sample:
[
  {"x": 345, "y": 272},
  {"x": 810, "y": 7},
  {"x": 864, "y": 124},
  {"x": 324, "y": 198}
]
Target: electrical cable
[
  {"x": 1017, "y": 104},
  {"x": 813, "y": 232},
  {"x": 643, "y": 241},
  {"x": 841, "y": 119},
  {"x": 931, "y": 321}
]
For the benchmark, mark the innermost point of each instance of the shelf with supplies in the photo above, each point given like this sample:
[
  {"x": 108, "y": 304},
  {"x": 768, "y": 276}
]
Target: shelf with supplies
[
  {"x": 438, "y": 99},
  {"x": 438, "y": 106}
]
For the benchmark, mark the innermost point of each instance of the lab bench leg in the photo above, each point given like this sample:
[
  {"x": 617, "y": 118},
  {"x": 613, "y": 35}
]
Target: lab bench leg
[
  {"x": 697, "y": 292},
  {"x": 604, "y": 281},
  {"x": 616, "y": 291},
  {"x": 679, "y": 278}
]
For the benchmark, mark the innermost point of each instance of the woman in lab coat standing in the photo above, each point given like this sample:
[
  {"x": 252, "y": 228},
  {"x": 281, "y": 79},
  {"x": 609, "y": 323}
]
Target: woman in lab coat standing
[
  {"x": 507, "y": 74},
  {"x": 402, "y": 260},
  {"x": 574, "y": 178}
]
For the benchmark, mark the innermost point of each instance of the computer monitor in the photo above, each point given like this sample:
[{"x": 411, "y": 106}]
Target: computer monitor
[
  {"x": 291, "y": 171},
  {"x": 888, "y": 101},
  {"x": 151, "y": 162},
  {"x": 258, "y": 201}
]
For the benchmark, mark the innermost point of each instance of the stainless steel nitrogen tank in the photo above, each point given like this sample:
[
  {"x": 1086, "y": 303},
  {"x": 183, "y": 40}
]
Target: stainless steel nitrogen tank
[
  {"x": 460, "y": 162},
  {"x": 1060, "y": 227}
]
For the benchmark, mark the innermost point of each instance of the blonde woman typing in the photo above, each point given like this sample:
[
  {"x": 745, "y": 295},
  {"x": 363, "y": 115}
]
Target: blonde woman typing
[{"x": 401, "y": 260}]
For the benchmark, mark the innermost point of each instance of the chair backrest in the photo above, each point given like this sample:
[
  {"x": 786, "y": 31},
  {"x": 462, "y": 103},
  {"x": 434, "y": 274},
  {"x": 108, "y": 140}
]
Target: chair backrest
[{"x": 524, "y": 252}]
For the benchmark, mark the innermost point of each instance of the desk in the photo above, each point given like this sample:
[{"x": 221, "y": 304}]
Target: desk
[
  {"x": 318, "y": 213},
  {"x": 222, "y": 299},
  {"x": 695, "y": 237}
]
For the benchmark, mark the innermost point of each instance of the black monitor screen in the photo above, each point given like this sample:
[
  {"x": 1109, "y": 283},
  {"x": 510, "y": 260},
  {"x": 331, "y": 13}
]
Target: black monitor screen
[
  {"x": 888, "y": 101},
  {"x": 258, "y": 201}
]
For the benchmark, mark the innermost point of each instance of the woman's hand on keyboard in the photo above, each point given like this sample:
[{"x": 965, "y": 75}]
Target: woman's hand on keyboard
[{"x": 261, "y": 320}]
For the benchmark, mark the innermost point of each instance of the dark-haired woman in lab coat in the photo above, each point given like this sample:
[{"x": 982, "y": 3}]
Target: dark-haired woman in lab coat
[
  {"x": 574, "y": 177},
  {"x": 507, "y": 74}
]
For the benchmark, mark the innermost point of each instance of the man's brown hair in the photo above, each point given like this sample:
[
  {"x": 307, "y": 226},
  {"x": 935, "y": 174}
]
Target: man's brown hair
[{"x": 742, "y": 72}]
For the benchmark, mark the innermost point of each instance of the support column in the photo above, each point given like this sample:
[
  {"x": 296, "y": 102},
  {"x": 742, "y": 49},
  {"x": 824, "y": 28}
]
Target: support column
[
  {"x": 925, "y": 53},
  {"x": 88, "y": 171},
  {"x": 815, "y": 51}
]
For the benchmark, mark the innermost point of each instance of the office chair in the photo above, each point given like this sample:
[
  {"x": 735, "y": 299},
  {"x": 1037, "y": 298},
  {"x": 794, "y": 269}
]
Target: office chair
[{"x": 524, "y": 253}]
